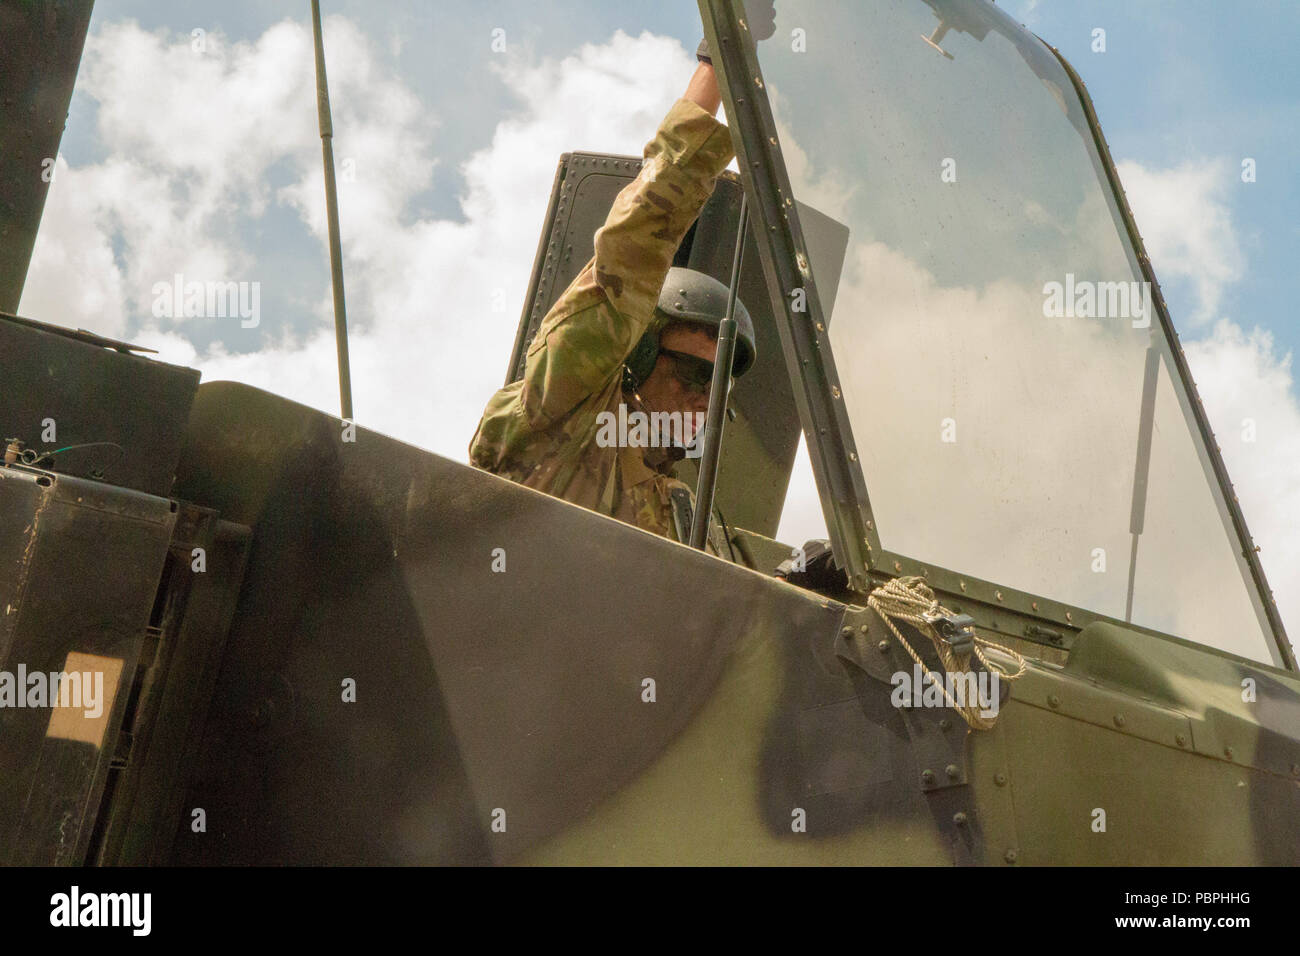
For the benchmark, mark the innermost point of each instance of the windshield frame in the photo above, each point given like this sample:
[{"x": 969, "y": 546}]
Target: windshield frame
[{"x": 816, "y": 385}]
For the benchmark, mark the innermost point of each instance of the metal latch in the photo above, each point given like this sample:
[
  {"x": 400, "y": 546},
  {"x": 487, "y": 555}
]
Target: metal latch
[{"x": 955, "y": 630}]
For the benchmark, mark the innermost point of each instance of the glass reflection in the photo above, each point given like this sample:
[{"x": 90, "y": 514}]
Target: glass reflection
[{"x": 990, "y": 327}]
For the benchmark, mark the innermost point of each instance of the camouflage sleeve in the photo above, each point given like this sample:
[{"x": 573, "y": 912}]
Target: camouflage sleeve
[{"x": 593, "y": 326}]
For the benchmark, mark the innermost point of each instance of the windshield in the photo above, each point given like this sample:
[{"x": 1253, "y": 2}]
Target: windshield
[{"x": 1013, "y": 400}]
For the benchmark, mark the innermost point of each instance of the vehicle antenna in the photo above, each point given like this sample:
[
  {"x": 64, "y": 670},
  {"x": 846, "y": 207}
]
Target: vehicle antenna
[
  {"x": 332, "y": 213},
  {"x": 718, "y": 394}
]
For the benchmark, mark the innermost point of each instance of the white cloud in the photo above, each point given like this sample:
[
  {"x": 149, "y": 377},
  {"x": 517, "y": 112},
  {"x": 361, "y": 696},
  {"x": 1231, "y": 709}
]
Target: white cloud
[
  {"x": 1249, "y": 394},
  {"x": 1183, "y": 214}
]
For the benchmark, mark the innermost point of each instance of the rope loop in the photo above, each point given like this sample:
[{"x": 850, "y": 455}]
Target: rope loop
[{"x": 911, "y": 600}]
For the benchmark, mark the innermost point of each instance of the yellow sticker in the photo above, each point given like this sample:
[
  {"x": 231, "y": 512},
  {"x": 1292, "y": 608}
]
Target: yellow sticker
[{"x": 84, "y": 700}]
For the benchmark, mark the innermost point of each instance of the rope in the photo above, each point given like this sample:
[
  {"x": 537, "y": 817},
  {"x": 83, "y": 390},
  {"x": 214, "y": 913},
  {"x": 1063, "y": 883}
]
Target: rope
[{"x": 910, "y": 599}]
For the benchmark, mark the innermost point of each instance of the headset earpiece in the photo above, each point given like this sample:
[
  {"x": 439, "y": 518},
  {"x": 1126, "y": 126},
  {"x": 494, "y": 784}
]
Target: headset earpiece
[{"x": 641, "y": 362}]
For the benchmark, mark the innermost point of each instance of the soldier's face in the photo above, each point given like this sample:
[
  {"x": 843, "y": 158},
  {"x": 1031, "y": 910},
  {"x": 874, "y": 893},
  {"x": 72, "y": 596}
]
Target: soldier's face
[{"x": 664, "y": 390}]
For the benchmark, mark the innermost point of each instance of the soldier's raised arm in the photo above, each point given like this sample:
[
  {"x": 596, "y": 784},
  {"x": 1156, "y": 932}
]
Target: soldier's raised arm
[{"x": 594, "y": 325}]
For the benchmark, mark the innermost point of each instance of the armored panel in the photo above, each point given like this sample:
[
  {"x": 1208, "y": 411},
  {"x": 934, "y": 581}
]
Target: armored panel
[
  {"x": 79, "y": 568},
  {"x": 385, "y": 691},
  {"x": 113, "y": 416},
  {"x": 760, "y": 443},
  {"x": 143, "y": 799}
]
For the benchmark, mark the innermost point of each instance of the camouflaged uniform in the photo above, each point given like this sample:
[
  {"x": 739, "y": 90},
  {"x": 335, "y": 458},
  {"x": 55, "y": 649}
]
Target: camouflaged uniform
[{"x": 541, "y": 430}]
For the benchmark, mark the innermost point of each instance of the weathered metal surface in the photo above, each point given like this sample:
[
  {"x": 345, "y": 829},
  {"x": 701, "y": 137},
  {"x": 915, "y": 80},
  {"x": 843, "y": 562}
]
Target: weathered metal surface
[
  {"x": 129, "y": 411},
  {"x": 42, "y": 45},
  {"x": 520, "y": 690},
  {"x": 143, "y": 801},
  {"x": 78, "y": 574}
]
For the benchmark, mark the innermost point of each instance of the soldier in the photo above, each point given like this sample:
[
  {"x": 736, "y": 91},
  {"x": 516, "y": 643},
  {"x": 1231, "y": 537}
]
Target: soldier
[{"x": 628, "y": 341}]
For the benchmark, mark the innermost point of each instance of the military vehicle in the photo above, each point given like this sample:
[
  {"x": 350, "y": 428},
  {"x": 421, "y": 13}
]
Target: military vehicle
[{"x": 322, "y": 645}]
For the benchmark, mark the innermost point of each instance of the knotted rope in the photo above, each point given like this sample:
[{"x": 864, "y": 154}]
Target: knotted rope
[{"x": 910, "y": 599}]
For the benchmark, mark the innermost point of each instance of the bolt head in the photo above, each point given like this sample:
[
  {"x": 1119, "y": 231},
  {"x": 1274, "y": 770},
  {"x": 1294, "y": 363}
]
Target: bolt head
[
  {"x": 927, "y": 777},
  {"x": 1119, "y": 720},
  {"x": 952, "y": 771},
  {"x": 1009, "y": 856},
  {"x": 1053, "y": 700},
  {"x": 959, "y": 818},
  {"x": 1000, "y": 779}
]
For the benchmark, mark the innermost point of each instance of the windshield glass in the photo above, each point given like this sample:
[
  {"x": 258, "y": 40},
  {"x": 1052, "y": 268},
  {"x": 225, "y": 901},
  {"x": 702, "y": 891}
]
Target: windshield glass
[{"x": 1013, "y": 400}]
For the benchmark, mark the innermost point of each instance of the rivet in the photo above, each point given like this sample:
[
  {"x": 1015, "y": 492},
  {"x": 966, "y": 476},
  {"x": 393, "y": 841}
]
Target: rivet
[
  {"x": 1119, "y": 720},
  {"x": 1227, "y": 752},
  {"x": 1181, "y": 740},
  {"x": 952, "y": 771},
  {"x": 883, "y": 646},
  {"x": 1034, "y": 605},
  {"x": 927, "y": 777},
  {"x": 864, "y": 628},
  {"x": 853, "y": 456},
  {"x": 959, "y": 818},
  {"x": 1068, "y": 618},
  {"x": 898, "y": 567},
  {"x": 1000, "y": 779},
  {"x": 945, "y": 724},
  {"x": 846, "y": 631},
  {"x": 1053, "y": 700},
  {"x": 998, "y": 595},
  {"x": 1009, "y": 856},
  {"x": 962, "y": 584}
]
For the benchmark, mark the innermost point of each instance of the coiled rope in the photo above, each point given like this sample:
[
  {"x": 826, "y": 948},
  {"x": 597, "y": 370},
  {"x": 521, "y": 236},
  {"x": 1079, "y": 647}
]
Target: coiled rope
[{"x": 910, "y": 599}]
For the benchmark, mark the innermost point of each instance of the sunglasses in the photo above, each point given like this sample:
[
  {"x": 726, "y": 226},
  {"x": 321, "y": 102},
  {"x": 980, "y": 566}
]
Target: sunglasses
[{"x": 695, "y": 373}]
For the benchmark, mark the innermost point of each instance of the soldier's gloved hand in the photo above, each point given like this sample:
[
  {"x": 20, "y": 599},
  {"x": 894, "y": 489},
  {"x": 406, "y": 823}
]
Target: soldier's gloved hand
[{"x": 760, "y": 15}]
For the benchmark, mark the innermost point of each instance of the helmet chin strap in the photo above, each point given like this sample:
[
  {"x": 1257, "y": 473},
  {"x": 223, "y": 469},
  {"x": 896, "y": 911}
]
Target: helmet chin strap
[{"x": 676, "y": 451}]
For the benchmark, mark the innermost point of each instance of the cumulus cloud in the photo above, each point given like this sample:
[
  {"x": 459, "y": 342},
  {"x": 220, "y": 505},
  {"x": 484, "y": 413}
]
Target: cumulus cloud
[{"x": 1183, "y": 213}]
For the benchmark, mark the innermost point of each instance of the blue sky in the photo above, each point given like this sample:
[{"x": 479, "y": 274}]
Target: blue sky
[{"x": 206, "y": 162}]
